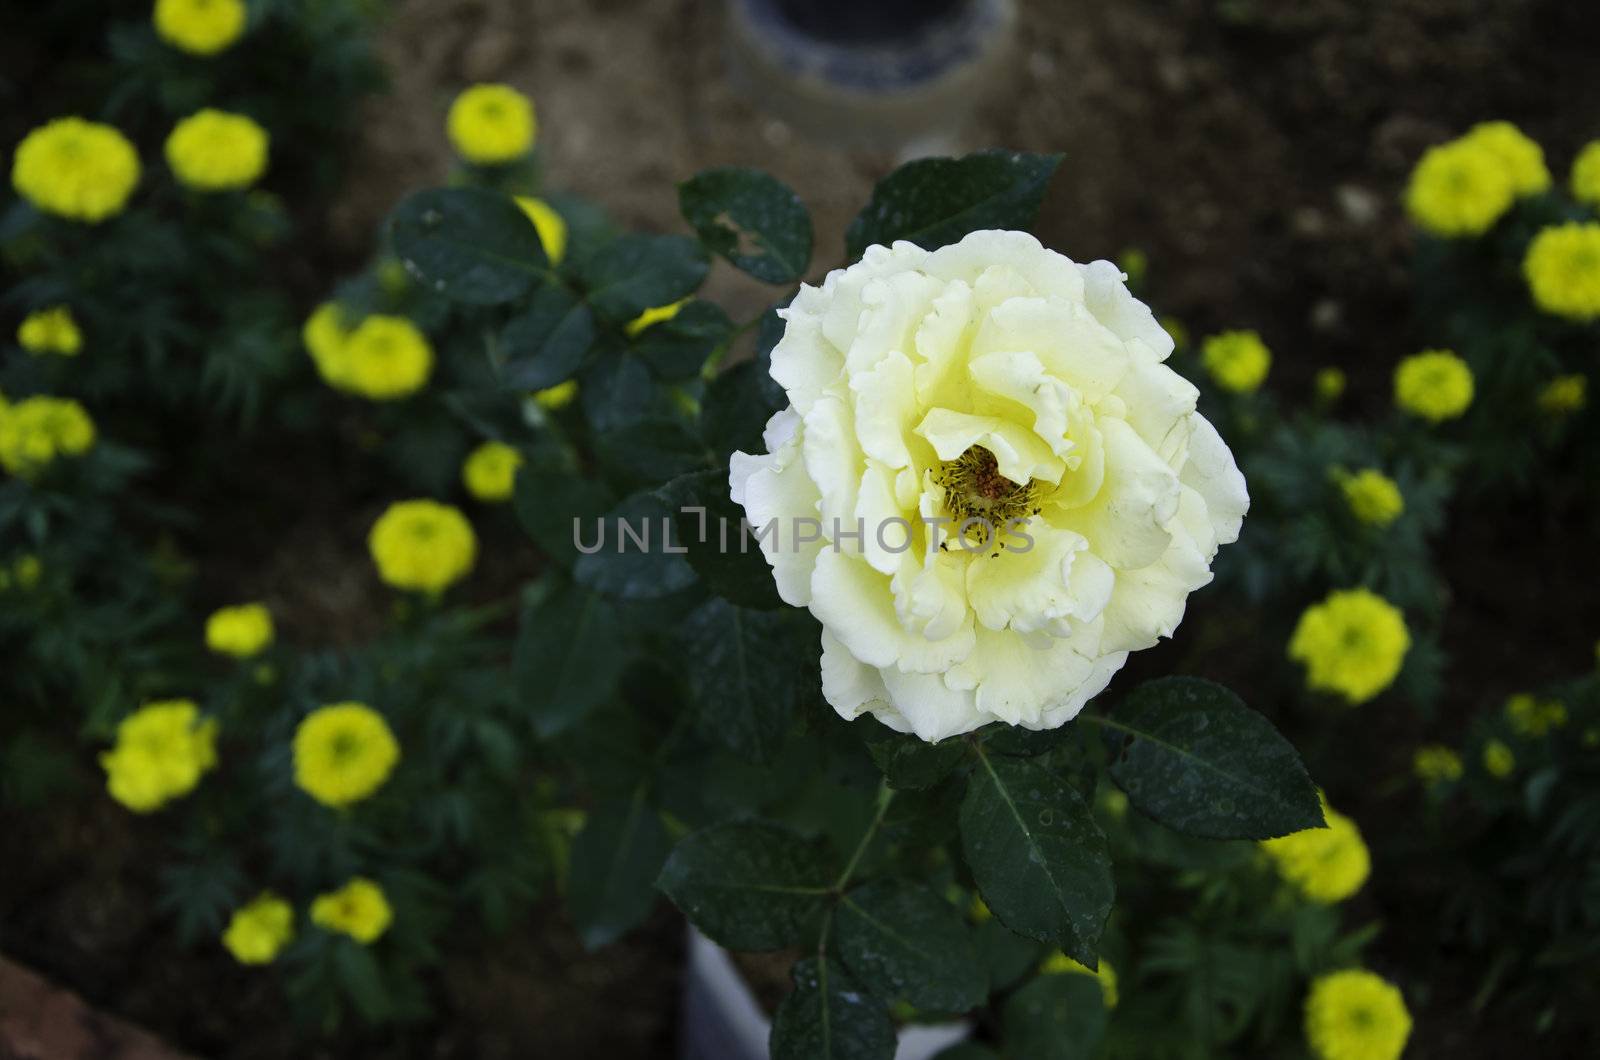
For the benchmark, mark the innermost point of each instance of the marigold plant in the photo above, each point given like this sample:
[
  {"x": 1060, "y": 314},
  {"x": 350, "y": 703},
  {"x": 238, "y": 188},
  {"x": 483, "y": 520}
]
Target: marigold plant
[
  {"x": 492, "y": 124},
  {"x": 343, "y": 753},
  {"x": 81, "y": 170},
  {"x": 1352, "y": 644}
]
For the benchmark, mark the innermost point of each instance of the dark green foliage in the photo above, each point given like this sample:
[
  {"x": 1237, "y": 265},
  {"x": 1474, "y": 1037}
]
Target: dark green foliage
[
  {"x": 829, "y": 1017},
  {"x": 934, "y": 201},
  {"x": 750, "y": 885},
  {"x": 752, "y": 219},
  {"x": 1037, "y": 854},
  {"x": 1199, "y": 761}
]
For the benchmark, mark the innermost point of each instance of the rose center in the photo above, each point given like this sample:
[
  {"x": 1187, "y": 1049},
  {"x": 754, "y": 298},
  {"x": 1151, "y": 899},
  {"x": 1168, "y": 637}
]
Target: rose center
[{"x": 974, "y": 489}]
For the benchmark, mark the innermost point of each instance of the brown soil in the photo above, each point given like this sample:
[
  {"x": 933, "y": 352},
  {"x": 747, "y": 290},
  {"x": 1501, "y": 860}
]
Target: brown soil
[
  {"x": 1254, "y": 150},
  {"x": 94, "y": 924}
]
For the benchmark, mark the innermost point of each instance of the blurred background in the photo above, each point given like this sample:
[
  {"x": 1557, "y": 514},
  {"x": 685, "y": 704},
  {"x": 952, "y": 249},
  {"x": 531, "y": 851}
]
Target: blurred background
[
  {"x": 1255, "y": 151},
  {"x": 1248, "y": 155}
]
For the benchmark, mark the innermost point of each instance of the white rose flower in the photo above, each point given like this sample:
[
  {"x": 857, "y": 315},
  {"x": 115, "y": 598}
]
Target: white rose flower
[{"x": 988, "y": 380}]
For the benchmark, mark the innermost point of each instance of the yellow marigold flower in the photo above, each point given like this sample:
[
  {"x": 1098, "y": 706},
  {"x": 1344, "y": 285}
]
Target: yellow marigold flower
[
  {"x": 1373, "y": 497},
  {"x": 1562, "y": 267},
  {"x": 343, "y": 752},
  {"x": 1585, "y": 180},
  {"x": 386, "y": 357},
  {"x": 557, "y": 397},
  {"x": 1351, "y": 643},
  {"x": 358, "y": 909},
  {"x": 240, "y": 631},
  {"x": 1329, "y": 384},
  {"x": 1434, "y": 384},
  {"x": 490, "y": 471},
  {"x": 1459, "y": 189},
  {"x": 1520, "y": 157},
  {"x": 422, "y": 545},
  {"x": 549, "y": 224},
  {"x": 1060, "y": 964},
  {"x": 35, "y": 431},
  {"x": 1435, "y": 763},
  {"x": 324, "y": 335},
  {"x": 212, "y": 150},
  {"x": 161, "y": 751},
  {"x": 1326, "y": 865},
  {"x": 1564, "y": 394},
  {"x": 24, "y": 574},
  {"x": 27, "y": 571},
  {"x": 1522, "y": 712},
  {"x": 654, "y": 315},
  {"x": 1530, "y": 716},
  {"x": 491, "y": 124},
  {"x": 1355, "y": 1015},
  {"x": 50, "y": 330},
  {"x": 77, "y": 169},
  {"x": 1237, "y": 360},
  {"x": 1498, "y": 760},
  {"x": 1175, "y": 331},
  {"x": 200, "y": 27},
  {"x": 259, "y": 929}
]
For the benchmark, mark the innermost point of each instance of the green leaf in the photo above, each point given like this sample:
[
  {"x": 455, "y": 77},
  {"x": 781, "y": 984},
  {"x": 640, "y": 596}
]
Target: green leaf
[
  {"x": 740, "y": 400},
  {"x": 934, "y": 201},
  {"x": 925, "y": 817},
  {"x": 651, "y": 451},
  {"x": 752, "y": 219},
  {"x": 632, "y": 561},
  {"x": 1198, "y": 760},
  {"x": 828, "y": 1017},
  {"x": 908, "y": 942},
  {"x": 361, "y": 980},
  {"x": 637, "y": 272},
  {"x": 1004, "y": 739},
  {"x": 567, "y": 657},
  {"x": 730, "y": 563},
  {"x": 1006, "y": 955},
  {"x": 548, "y": 502},
  {"x": 750, "y": 885},
  {"x": 545, "y": 343},
  {"x": 616, "y": 391},
  {"x": 614, "y": 861},
  {"x": 747, "y": 671},
  {"x": 677, "y": 349},
  {"x": 906, "y": 761},
  {"x": 588, "y": 227},
  {"x": 735, "y": 410},
  {"x": 1039, "y": 859},
  {"x": 1055, "y": 1017},
  {"x": 468, "y": 244}
]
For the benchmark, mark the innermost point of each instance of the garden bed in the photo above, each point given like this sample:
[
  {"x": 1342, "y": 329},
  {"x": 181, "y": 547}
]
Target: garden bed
[{"x": 1255, "y": 157}]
